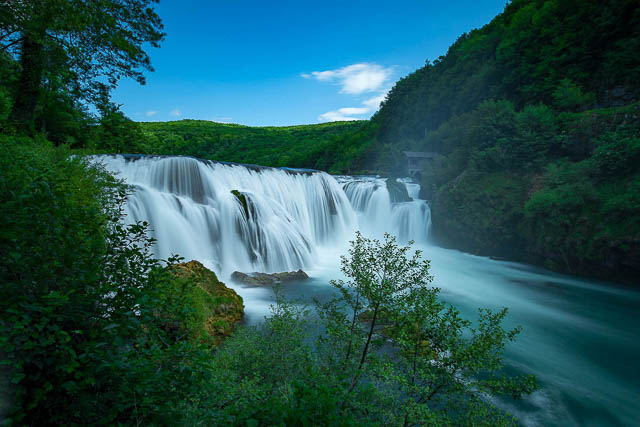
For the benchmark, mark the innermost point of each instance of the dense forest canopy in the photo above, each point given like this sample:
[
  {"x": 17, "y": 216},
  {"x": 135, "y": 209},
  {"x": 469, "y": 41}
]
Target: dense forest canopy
[
  {"x": 536, "y": 119},
  {"x": 569, "y": 54},
  {"x": 334, "y": 147}
]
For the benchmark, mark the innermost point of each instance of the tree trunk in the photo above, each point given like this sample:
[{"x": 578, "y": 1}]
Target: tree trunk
[{"x": 28, "y": 93}]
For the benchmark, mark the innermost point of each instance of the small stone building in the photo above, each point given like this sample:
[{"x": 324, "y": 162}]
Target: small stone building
[{"x": 417, "y": 160}]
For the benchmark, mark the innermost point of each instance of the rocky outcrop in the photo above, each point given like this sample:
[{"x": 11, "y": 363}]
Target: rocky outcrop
[
  {"x": 261, "y": 279},
  {"x": 397, "y": 191},
  {"x": 218, "y": 308},
  {"x": 243, "y": 201}
]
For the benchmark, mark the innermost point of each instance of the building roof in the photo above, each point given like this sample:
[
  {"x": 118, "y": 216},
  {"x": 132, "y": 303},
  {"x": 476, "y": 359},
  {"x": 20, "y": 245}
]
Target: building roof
[{"x": 420, "y": 154}]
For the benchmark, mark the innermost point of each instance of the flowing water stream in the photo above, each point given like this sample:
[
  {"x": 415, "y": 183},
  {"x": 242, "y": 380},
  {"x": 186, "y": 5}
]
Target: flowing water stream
[{"x": 580, "y": 337}]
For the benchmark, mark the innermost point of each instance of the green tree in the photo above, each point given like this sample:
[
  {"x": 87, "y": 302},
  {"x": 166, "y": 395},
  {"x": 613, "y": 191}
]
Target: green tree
[
  {"x": 569, "y": 96},
  {"x": 440, "y": 365},
  {"x": 95, "y": 42},
  {"x": 117, "y": 133}
]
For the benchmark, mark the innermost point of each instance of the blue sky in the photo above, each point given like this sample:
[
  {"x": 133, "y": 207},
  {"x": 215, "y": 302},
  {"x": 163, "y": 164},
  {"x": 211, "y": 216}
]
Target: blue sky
[{"x": 291, "y": 62}]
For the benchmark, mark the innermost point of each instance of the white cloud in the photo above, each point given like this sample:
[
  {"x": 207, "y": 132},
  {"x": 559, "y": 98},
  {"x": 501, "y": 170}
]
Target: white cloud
[
  {"x": 347, "y": 113},
  {"x": 374, "y": 103},
  {"x": 356, "y": 78},
  {"x": 343, "y": 114},
  {"x": 352, "y": 111},
  {"x": 335, "y": 116},
  {"x": 175, "y": 113},
  {"x": 150, "y": 113}
]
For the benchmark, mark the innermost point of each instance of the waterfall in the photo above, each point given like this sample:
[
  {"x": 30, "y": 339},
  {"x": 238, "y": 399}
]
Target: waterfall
[
  {"x": 371, "y": 201},
  {"x": 249, "y": 218}
]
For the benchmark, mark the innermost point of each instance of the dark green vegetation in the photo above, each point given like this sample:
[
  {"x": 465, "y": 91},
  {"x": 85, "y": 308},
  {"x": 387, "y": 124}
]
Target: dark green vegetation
[
  {"x": 528, "y": 196},
  {"x": 537, "y": 118},
  {"x": 58, "y": 58},
  {"x": 70, "y": 51},
  {"x": 93, "y": 329},
  {"x": 96, "y": 331},
  {"x": 338, "y": 147},
  {"x": 568, "y": 54}
]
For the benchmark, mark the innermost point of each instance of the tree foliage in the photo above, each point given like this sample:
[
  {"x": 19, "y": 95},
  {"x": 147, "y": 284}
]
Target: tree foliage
[
  {"x": 384, "y": 351},
  {"x": 85, "y": 306},
  {"x": 82, "y": 46},
  {"x": 573, "y": 54},
  {"x": 555, "y": 188},
  {"x": 546, "y": 85},
  {"x": 338, "y": 147}
]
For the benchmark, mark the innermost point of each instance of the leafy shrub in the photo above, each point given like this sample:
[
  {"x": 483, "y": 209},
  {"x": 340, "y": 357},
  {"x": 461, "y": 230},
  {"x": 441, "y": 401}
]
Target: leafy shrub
[
  {"x": 616, "y": 155},
  {"x": 569, "y": 96},
  {"x": 80, "y": 294}
]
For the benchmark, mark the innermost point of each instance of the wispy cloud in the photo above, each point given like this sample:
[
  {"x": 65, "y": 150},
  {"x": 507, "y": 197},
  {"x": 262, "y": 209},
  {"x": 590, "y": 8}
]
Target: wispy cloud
[
  {"x": 175, "y": 113},
  {"x": 343, "y": 114},
  {"x": 356, "y": 78},
  {"x": 353, "y": 111},
  {"x": 369, "y": 106},
  {"x": 335, "y": 116},
  {"x": 374, "y": 103},
  {"x": 150, "y": 113},
  {"x": 221, "y": 119}
]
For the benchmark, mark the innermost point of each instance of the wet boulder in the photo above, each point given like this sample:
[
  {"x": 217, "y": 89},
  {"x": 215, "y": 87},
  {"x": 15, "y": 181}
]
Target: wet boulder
[
  {"x": 261, "y": 279},
  {"x": 397, "y": 191}
]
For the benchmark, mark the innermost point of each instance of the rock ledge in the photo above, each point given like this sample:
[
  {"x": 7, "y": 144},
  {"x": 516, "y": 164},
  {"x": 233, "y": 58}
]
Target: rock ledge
[{"x": 261, "y": 279}]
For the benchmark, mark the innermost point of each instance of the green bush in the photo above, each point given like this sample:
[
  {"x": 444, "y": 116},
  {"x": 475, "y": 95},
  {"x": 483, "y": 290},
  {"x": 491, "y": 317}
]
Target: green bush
[
  {"x": 80, "y": 336},
  {"x": 616, "y": 155}
]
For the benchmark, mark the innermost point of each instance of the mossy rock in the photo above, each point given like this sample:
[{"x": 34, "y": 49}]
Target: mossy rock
[
  {"x": 397, "y": 191},
  {"x": 261, "y": 279},
  {"x": 217, "y": 308},
  {"x": 243, "y": 201}
]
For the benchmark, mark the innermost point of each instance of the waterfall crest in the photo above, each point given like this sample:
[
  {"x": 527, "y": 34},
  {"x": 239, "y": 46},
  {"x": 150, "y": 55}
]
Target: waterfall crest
[{"x": 237, "y": 217}]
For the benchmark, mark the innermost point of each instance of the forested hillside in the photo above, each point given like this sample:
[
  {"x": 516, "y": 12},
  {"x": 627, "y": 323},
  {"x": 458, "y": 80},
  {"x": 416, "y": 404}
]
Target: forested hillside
[
  {"x": 536, "y": 117},
  {"x": 569, "y": 54},
  {"x": 338, "y": 147}
]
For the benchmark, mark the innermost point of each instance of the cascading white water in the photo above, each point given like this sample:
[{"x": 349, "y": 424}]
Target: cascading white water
[
  {"x": 370, "y": 199},
  {"x": 278, "y": 221}
]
